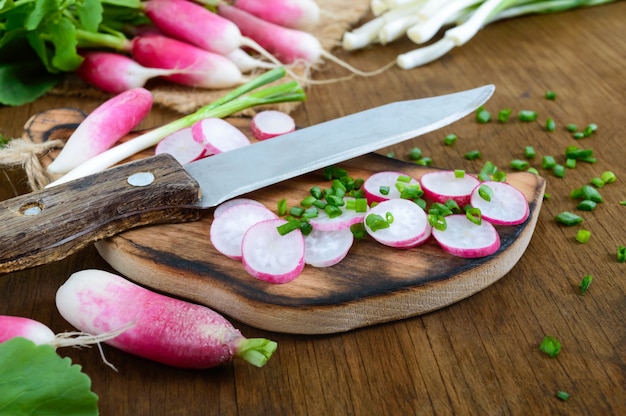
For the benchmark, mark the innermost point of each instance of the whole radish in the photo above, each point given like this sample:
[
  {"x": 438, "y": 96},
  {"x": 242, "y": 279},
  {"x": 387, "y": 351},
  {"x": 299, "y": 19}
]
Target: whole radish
[
  {"x": 295, "y": 14},
  {"x": 102, "y": 128},
  {"x": 198, "y": 67},
  {"x": 115, "y": 73},
  {"x": 164, "y": 329}
]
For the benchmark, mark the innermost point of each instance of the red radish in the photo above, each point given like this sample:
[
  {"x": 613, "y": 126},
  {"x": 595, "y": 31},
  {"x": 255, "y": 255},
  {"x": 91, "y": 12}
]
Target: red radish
[
  {"x": 444, "y": 185},
  {"x": 218, "y": 135},
  {"x": 270, "y": 256},
  {"x": 348, "y": 218},
  {"x": 408, "y": 223},
  {"x": 228, "y": 228},
  {"x": 271, "y": 123},
  {"x": 194, "y": 66},
  {"x": 295, "y": 14},
  {"x": 102, "y": 128},
  {"x": 221, "y": 208},
  {"x": 381, "y": 186},
  {"x": 167, "y": 330},
  {"x": 182, "y": 146},
  {"x": 327, "y": 248},
  {"x": 463, "y": 238},
  {"x": 508, "y": 205},
  {"x": 115, "y": 73}
]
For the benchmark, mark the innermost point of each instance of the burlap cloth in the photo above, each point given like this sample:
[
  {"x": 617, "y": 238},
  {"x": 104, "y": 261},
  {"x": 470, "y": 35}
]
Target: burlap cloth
[{"x": 336, "y": 17}]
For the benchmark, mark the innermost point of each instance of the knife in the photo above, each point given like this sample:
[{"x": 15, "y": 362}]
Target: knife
[{"x": 51, "y": 224}]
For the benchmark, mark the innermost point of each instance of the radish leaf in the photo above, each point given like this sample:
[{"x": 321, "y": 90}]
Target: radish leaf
[{"x": 34, "y": 379}]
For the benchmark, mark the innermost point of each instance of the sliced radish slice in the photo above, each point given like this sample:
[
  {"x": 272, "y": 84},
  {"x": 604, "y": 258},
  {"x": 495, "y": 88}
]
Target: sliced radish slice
[
  {"x": 444, "y": 185},
  {"x": 508, "y": 205},
  {"x": 409, "y": 227},
  {"x": 349, "y": 217},
  {"x": 228, "y": 229},
  {"x": 463, "y": 238},
  {"x": 327, "y": 248},
  {"x": 372, "y": 186},
  {"x": 272, "y": 257},
  {"x": 231, "y": 203},
  {"x": 217, "y": 135},
  {"x": 271, "y": 123},
  {"x": 182, "y": 146}
]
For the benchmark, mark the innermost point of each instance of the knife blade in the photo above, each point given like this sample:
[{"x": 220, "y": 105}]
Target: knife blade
[{"x": 51, "y": 224}]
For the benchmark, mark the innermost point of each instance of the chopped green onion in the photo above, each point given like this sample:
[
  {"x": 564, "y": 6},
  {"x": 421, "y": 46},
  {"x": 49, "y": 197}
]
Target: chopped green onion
[
  {"x": 450, "y": 139},
  {"x": 282, "y": 207},
  {"x": 334, "y": 172},
  {"x": 305, "y": 227},
  {"x": 529, "y": 152},
  {"x": 559, "y": 171},
  {"x": 421, "y": 202},
  {"x": 440, "y": 209},
  {"x": 459, "y": 173},
  {"x": 589, "y": 192},
  {"x": 384, "y": 189},
  {"x": 375, "y": 222},
  {"x": 474, "y": 215},
  {"x": 550, "y": 125},
  {"x": 586, "y": 205},
  {"x": 332, "y": 211},
  {"x": 567, "y": 218},
  {"x": 527, "y": 115},
  {"x": 425, "y": 161},
  {"x": 335, "y": 200},
  {"x": 562, "y": 395},
  {"x": 485, "y": 192},
  {"x": 308, "y": 201},
  {"x": 550, "y": 95},
  {"x": 320, "y": 203},
  {"x": 316, "y": 192},
  {"x": 597, "y": 182},
  {"x": 608, "y": 177},
  {"x": 391, "y": 155},
  {"x": 472, "y": 155},
  {"x": 548, "y": 162},
  {"x": 583, "y": 236},
  {"x": 358, "y": 230},
  {"x": 570, "y": 163},
  {"x": 532, "y": 170},
  {"x": 482, "y": 116},
  {"x": 499, "y": 176},
  {"x": 621, "y": 254},
  {"x": 452, "y": 205},
  {"x": 389, "y": 217},
  {"x": 288, "y": 227},
  {"x": 573, "y": 152},
  {"x": 579, "y": 135},
  {"x": 518, "y": 164},
  {"x": 504, "y": 115},
  {"x": 571, "y": 127},
  {"x": 438, "y": 222},
  {"x": 489, "y": 168},
  {"x": 338, "y": 184},
  {"x": 551, "y": 346},
  {"x": 411, "y": 192},
  {"x": 296, "y": 211},
  {"x": 404, "y": 178},
  {"x": 415, "y": 154},
  {"x": 590, "y": 129},
  {"x": 311, "y": 212},
  {"x": 584, "y": 284}
]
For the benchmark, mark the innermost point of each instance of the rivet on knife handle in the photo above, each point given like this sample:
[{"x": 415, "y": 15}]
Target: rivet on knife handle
[{"x": 51, "y": 224}]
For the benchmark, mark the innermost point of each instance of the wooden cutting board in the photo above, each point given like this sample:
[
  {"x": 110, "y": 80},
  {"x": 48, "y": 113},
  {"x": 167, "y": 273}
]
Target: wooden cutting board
[{"x": 373, "y": 284}]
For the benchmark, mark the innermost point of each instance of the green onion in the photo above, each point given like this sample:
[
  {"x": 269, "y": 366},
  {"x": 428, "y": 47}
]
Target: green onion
[
  {"x": 518, "y": 164},
  {"x": 591, "y": 193},
  {"x": 504, "y": 115},
  {"x": 311, "y": 212},
  {"x": 597, "y": 182},
  {"x": 489, "y": 168},
  {"x": 450, "y": 139},
  {"x": 472, "y": 155},
  {"x": 529, "y": 152},
  {"x": 334, "y": 172},
  {"x": 583, "y": 236},
  {"x": 296, "y": 211},
  {"x": 332, "y": 211},
  {"x": 288, "y": 227},
  {"x": 389, "y": 217},
  {"x": 459, "y": 173},
  {"x": 391, "y": 155},
  {"x": 573, "y": 152},
  {"x": 586, "y": 205},
  {"x": 551, "y": 346},
  {"x": 571, "y": 127},
  {"x": 305, "y": 228},
  {"x": 532, "y": 170},
  {"x": 320, "y": 203},
  {"x": 485, "y": 192},
  {"x": 579, "y": 135},
  {"x": 316, "y": 192},
  {"x": 474, "y": 215},
  {"x": 308, "y": 201},
  {"x": 570, "y": 163},
  {"x": 358, "y": 230},
  {"x": 567, "y": 218},
  {"x": 482, "y": 116},
  {"x": 550, "y": 125},
  {"x": 411, "y": 192},
  {"x": 425, "y": 161},
  {"x": 384, "y": 189},
  {"x": 562, "y": 395},
  {"x": 527, "y": 115},
  {"x": 499, "y": 176},
  {"x": 438, "y": 222},
  {"x": 550, "y": 95},
  {"x": 404, "y": 178},
  {"x": 621, "y": 254},
  {"x": 421, "y": 202},
  {"x": 335, "y": 200},
  {"x": 608, "y": 177},
  {"x": 452, "y": 205},
  {"x": 375, "y": 222},
  {"x": 590, "y": 129},
  {"x": 548, "y": 162},
  {"x": 338, "y": 184},
  {"x": 584, "y": 284},
  {"x": 438, "y": 208},
  {"x": 559, "y": 171},
  {"x": 282, "y": 207},
  {"x": 415, "y": 154}
]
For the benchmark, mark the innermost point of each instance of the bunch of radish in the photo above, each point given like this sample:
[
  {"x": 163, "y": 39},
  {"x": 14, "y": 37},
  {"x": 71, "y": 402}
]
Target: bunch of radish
[
  {"x": 457, "y": 210},
  {"x": 204, "y": 43},
  {"x": 108, "y": 308}
]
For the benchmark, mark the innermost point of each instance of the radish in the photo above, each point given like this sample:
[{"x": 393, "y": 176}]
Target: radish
[
  {"x": 267, "y": 255},
  {"x": 218, "y": 135},
  {"x": 246, "y": 62},
  {"x": 464, "y": 238},
  {"x": 166, "y": 330},
  {"x": 348, "y": 218},
  {"x": 221, "y": 208},
  {"x": 271, "y": 123},
  {"x": 327, "y": 248},
  {"x": 295, "y": 14},
  {"x": 381, "y": 186},
  {"x": 102, "y": 128},
  {"x": 194, "y": 66},
  {"x": 445, "y": 185},
  {"x": 407, "y": 223},
  {"x": 115, "y": 73},
  {"x": 507, "y": 205},
  {"x": 228, "y": 228},
  {"x": 182, "y": 146}
]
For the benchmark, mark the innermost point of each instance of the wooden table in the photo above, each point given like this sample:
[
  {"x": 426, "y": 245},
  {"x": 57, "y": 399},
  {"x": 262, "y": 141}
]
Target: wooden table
[{"x": 481, "y": 355}]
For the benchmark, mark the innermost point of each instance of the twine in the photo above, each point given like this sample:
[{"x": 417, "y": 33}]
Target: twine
[{"x": 25, "y": 154}]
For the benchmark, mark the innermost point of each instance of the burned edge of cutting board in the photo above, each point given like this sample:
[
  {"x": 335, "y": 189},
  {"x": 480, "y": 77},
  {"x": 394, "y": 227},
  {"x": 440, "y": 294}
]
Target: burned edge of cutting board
[{"x": 373, "y": 284}]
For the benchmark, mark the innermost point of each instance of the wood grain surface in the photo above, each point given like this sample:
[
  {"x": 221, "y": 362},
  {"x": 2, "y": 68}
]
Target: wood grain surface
[{"x": 476, "y": 357}]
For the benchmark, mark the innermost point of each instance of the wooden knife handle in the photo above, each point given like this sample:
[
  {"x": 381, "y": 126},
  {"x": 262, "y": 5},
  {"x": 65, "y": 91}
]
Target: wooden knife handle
[{"x": 51, "y": 224}]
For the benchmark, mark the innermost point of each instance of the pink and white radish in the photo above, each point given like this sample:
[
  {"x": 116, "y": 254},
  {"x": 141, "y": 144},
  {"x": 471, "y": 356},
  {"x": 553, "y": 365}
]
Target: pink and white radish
[
  {"x": 442, "y": 186},
  {"x": 381, "y": 186},
  {"x": 271, "y": 123},
  {"x": 507, "y": 204},
  {"x": 464, "y": 238},
  {"x": 218, "y": 135},
  {"x": 102, "y": 128},
  {"x": 327, "y": 248},
  {"x": 228, "y": 228},
  {"x": 295, "y": 14},
  {"x": 193, "y": 66},
  {"x": 407, "y": 223},
  {"x": 164, "y": 329},
  {"x": 267, "y": 255},
  {"x": 182, "y": 146},
  {"x": 348, "y": 218},
  {"x": 115, "y": 73},
  {"x": 221, "y": 208}
]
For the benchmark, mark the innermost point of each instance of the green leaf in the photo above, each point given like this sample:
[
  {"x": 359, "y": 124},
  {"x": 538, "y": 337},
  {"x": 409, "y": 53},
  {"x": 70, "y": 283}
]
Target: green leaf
[
  {"x": 41, "y": 11},
  {"x": 24, "y": 81},
  {"x": 90, "y": 14},
  {"x": 34, "y": 380},
  {"x": 65, "y": 58}
]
